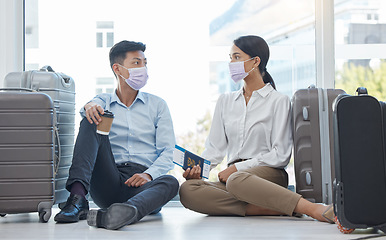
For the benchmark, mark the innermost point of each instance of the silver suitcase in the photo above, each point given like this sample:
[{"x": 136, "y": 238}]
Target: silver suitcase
[
  {"x": 313, "y": 143},
  {"x": 61, "y": 89},
  {"x": 26, "y": 153}
]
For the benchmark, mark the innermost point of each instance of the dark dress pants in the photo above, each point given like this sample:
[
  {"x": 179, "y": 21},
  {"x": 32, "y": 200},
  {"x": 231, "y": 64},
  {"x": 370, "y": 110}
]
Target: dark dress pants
[{"x": 94, "y": 166}]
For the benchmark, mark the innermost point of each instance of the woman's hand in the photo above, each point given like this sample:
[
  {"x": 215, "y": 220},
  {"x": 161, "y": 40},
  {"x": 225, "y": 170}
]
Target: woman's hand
[
  {"x": 194, "y": 173},
  {"x": 224, "y": 175},
  {"x": 92, "y": 112}
]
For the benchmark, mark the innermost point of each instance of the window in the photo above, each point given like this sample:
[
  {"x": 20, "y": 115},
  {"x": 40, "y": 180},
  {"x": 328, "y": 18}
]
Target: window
[
  {"x": 104, "y": 34},
  {"x": 360, "y": 43},
  {"x": 188, "y": 53},
  {"x": 31, "y": 26},
  {"x": 104, "y": 85},
  {"x": 99, "y": 39},
  {"x": 292, "y": 62},
  {"x": 292, "y": 46}
]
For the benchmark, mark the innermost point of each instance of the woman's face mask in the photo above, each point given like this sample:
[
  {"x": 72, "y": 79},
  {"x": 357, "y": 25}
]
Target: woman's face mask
[
  {"x": 237, "y": 70},
  {"x": 137, "y": 77}
]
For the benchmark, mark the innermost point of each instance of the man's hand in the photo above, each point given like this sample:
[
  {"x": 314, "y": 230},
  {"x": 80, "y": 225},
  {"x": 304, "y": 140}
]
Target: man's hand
[
  {"x": 193, "y": 173},
  {"x": 92, "y": 112},
  {"x": 138, "y": 180},
  {"x": 224, "y": 175}
]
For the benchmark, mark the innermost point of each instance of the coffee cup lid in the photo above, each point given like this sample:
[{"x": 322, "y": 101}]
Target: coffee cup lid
[{"x": 108, "y": 114}]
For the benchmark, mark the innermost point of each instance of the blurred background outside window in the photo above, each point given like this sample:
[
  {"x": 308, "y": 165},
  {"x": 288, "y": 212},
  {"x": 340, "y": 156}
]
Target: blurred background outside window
[{"x": 188, "y": 44}]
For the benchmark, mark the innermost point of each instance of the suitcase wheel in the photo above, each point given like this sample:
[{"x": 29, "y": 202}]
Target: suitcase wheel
[
  {"x": 343, "y": 229},
  {"x": 2, "y": 215},
  {"x": 44, "y": 215}
]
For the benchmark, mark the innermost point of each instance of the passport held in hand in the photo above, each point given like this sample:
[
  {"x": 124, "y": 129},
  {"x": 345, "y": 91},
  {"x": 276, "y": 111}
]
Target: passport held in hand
[{"x": 186, "y": 160}]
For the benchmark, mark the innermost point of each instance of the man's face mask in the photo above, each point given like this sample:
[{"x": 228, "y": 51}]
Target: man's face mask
[{"x": 137, "y": 77}]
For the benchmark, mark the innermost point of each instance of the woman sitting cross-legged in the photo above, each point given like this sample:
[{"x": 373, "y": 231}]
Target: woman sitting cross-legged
[{"x": 253, "y": 127}]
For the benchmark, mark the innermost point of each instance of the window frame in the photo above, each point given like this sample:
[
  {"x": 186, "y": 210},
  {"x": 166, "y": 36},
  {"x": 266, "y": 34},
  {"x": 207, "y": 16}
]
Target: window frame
[{"x": 12, "y": 37}]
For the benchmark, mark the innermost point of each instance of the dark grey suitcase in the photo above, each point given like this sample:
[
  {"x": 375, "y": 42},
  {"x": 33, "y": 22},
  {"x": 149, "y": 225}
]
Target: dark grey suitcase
[
  {"x": 313, "y": 143},
  {"x": 360, "y": 187},
  {"x": 26, "y": 153},
  {"x": 61, "y": 89}
]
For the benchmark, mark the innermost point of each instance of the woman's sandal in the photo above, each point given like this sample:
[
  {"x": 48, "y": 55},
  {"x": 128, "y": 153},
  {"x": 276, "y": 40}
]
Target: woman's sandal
[{"x": 329, "y": 215}]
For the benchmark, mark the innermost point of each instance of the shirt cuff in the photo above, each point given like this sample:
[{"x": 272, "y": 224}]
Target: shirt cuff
[
  {"x": 82, "y": 112},
  {"x": 153, "y": 174},
  {"x": 242, "y": 165}
]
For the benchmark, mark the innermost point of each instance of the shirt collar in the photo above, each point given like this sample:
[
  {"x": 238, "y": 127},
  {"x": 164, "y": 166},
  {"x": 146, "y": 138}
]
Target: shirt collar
[
  {"x": 264, "y": 91},
  {"x": 239, "y": 93},
  {"x": 139, "y": 96},
  {"x": 115, "y": 98}
]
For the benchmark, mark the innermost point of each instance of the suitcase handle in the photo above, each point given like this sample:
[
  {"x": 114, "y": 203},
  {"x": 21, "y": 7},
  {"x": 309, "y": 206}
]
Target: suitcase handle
[
  {"x": 56, "y": 133},
  {"x": 57, "y": 157},
  {"x": 65, "y": 78},
  {"x": 47, "y": 68}
]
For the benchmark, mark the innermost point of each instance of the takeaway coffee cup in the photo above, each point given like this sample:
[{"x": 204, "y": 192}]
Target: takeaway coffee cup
[{"x": 107, "y": 120}]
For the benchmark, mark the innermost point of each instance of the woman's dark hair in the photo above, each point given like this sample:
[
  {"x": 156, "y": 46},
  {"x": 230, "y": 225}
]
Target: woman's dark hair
[
  {"x": 119, "y": 50},
  {"x": 256, "y": 46}
]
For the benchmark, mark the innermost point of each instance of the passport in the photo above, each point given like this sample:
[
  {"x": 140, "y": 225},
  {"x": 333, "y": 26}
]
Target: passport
[{"x": 187, "y": 159}]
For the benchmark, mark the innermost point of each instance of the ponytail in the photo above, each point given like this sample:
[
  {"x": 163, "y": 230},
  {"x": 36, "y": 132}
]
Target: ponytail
[{"x": 268, "y": 79}]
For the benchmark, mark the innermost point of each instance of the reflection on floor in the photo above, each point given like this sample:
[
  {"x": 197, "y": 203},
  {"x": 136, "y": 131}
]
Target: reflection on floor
[{"x": 176, "y": 222}]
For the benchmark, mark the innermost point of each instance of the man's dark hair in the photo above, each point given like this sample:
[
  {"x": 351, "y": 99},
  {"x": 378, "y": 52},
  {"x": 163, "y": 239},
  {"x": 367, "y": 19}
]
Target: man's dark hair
[{"x": 118, "y": 51}]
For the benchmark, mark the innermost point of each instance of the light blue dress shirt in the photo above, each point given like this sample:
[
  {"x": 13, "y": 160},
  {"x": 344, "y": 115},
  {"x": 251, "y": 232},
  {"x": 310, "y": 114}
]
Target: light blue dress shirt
[{"x": 142, "y": 133}]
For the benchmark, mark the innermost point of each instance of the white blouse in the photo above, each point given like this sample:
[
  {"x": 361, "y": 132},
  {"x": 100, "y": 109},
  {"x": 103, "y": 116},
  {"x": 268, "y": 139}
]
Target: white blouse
[{"x": 259, "y": 133}]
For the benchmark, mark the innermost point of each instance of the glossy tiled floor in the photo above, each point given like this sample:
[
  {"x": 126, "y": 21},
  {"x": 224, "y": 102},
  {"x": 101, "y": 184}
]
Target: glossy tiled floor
[{"x": 176, "y": 222}]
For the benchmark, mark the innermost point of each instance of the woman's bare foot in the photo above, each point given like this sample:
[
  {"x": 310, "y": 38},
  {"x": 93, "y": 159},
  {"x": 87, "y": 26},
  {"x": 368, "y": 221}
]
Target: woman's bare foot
[{"x": 323, "y": 213}]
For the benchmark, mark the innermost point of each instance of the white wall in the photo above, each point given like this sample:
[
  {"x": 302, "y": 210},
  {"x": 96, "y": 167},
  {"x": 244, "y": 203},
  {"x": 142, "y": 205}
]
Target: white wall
[{"x": 11, "y": 37}]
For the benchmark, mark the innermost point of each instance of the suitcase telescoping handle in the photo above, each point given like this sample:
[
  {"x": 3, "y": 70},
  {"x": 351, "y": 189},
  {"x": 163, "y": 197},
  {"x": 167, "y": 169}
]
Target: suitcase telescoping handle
[{"x": 361, "y": 91}]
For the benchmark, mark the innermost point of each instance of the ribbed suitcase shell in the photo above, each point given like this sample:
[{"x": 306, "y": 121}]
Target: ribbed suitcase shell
[
  {"x": 61, "y": 89},
  {"x": 26, "y": 153},
  {"x": 360, "y": 187},
  {"x": 313, "y": 143}
]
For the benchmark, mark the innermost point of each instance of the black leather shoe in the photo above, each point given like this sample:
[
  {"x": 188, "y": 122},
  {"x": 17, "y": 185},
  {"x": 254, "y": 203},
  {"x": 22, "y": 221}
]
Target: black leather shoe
[
  {"x": 114, "y": 217},
  {"x": 76, "y": 209}
]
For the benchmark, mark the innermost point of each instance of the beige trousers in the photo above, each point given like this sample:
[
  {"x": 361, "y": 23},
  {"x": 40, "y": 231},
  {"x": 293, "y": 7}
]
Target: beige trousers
[{"x": 261, "y": 186}]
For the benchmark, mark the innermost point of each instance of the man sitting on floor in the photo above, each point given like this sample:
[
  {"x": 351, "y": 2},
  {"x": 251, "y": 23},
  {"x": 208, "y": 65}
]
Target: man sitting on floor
[{"x": 124, "y": 172}]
